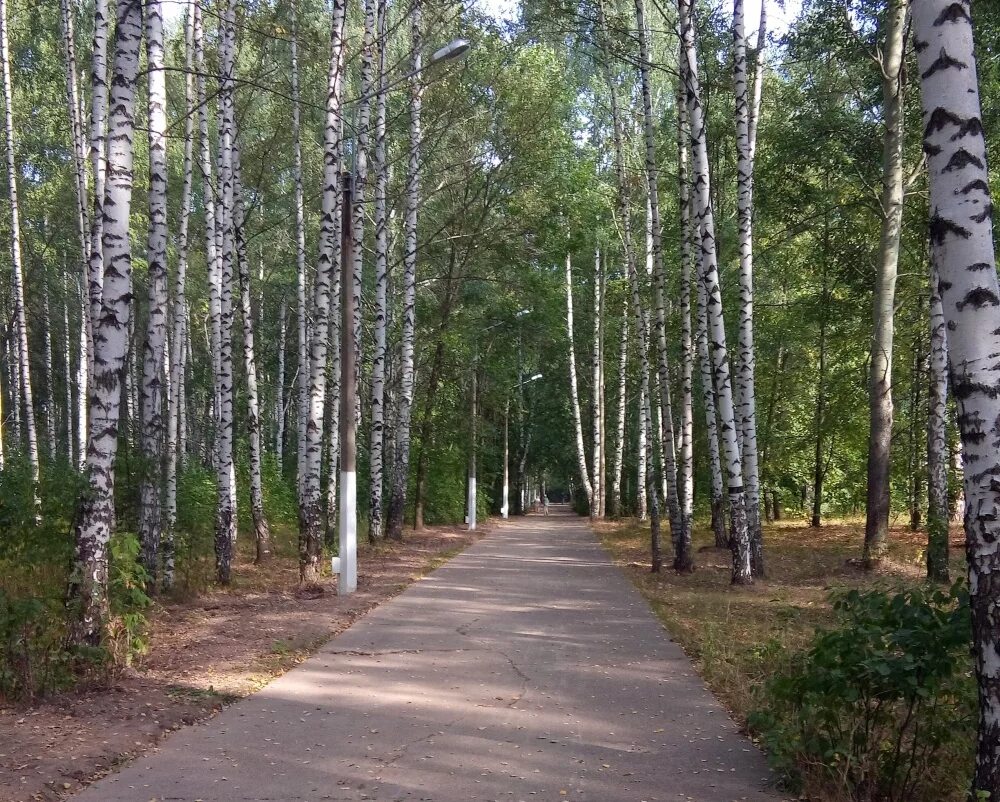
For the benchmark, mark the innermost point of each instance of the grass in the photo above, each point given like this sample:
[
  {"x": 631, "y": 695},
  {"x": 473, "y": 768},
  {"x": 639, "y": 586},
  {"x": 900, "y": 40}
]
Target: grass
[{"x": 739, "y": 636}]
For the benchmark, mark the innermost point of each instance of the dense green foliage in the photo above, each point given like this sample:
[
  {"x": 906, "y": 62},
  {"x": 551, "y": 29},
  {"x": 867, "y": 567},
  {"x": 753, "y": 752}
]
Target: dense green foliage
[{"x": 882, "y": 706}]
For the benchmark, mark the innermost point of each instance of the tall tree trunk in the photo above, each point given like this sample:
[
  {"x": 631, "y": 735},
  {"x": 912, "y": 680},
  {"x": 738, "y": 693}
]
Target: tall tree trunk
[
  {"x": 574, "y": 392},
  {"x": 401, "y": 465},
  {"x": 73, "y": 101},
  {"x": 880, "y": 370},
  {"x": 685, "y": 470},
  {"x": 598, "y": 391},
  {"x": 311, "y": 506},
  {"x": 50, "y": 384},
  {"x": 17, "y": 266},
  {"x": 279, "y": 389},
  {"x": 225, "y": 466},
  {"x": 916, "y": 414},
  {"x": 98, "y": 160},
  {"x": 937, "y": 438},
  {"x": 641, "y": 452},
  {"x": 624, "y": 221},
  {"x": 68, "y": 372},
  {"x": 377, "y": 479},
  {"x": 711, "y": 421},
  {"x": 680, "y": 534},
  {"x": 177, "y": 340},
  {"x": 154, "y": 350},
  {"x": 619, "y": 458},
  {"x": 819, "y": 467},
  {"x": 362, "y": 146},
  {"x": 739, "y": 534},
  {"x": 747, "y": 109},
  {"x": 262, "y": 532},
  {"x": 83, "y": 377},
  {"x": 302, "y": 394},
  {"x": 961, "y": 232},
  {"x": 95, "y": 517}
]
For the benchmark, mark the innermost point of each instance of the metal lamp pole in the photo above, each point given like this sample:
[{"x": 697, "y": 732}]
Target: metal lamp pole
[
  {"x": 505, "y": 505},
  {"x": 348, "y": 529}
]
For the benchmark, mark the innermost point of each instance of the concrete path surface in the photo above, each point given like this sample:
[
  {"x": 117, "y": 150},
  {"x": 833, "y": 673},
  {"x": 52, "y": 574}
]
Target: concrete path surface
[{"x": 526, "y": 669}]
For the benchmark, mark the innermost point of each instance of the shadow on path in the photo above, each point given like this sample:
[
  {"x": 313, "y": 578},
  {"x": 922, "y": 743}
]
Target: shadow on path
[{"x": 526, "y": 669}]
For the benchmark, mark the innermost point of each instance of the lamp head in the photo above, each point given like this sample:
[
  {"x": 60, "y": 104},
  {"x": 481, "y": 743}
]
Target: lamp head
[{"x": 454, "y": 49}]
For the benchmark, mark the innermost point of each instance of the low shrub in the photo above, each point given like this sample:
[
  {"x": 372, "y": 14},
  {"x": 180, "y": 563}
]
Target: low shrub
[{"x": 880, "y": 708}]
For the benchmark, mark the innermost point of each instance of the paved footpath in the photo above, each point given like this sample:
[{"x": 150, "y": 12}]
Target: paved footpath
[{"x": 526, "y": 669}]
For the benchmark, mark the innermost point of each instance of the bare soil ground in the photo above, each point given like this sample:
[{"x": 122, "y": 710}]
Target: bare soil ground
[{"x": 205, "y": 653}]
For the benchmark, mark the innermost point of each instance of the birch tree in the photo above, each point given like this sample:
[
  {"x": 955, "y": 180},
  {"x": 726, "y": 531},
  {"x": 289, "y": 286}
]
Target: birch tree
[
  {"x": 891, "y": 208},
  {"x": 154, "y": 348},
  {"x": 961, "y": 232},
  {"x": 685, "y": 470},
  {"x": 179, "y": 323},
  {"x": 311, "y": 506},
  {"x": 404, "y": 411},
  {"x": 746, "y": 110},
  {"x": 574, "y": 393},
  {"x": 619, "y": 457},
  {"x": 17, "y": 265},
  {"x": 377, "y": 480},
  {"x": 680, "y": 533},
  {"x": 98, "y": 157},
  {"x": 739, "y": 535},
  {"x": 225, "y": 463},
  {"x": 95, "y": 517},
  {"x": 597, "y": 382}
]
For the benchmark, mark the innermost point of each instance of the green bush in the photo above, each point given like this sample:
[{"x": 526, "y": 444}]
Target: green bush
[{"x": 880, "y": 708}]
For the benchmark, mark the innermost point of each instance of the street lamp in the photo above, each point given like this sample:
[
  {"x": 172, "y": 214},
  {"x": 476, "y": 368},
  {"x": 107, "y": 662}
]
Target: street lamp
[
  {"x": 505, "y": 500},
  {"x": 470, "y": 496},
  {"x": 347, "y": 530}
]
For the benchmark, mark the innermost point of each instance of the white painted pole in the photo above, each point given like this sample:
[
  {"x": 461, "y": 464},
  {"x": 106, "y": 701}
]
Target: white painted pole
[{"x": 347, "y": 581}]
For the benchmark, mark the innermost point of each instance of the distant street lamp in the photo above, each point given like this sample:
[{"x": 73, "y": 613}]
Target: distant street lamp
[
  {"x": 470, "y": 496},
  {"x": 505, "y": 500}
]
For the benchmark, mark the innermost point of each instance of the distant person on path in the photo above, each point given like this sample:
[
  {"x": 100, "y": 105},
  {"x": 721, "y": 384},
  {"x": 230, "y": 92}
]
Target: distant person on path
[{"x": 545, "y": 505}]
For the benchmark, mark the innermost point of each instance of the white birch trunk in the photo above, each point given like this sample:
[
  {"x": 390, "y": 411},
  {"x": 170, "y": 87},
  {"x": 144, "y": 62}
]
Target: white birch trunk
[
  {"x": 225, "y": 517},
  {"x": 279, "y": 389},
  {"x": 154, "y": 349},
  {"x": 746, "y": 362},
  {"x": 177, "y": 340},
  {"x": 401, "y": 462},
  {"x": 302, "y": 394},
  {"x": 262, "y": 532},
  {"x": 311, "y": 505},
  {"x": 598, "y": 390},
  {"x": 685, "y": 470},
  {"x": 739, "y": 535},
  {"x": 680, "y": 535},
  {"x": 574, "y": 394},
  {"x": 377, "y": 471},
  {"x": 17, "y": 266},
  {"x": 68, "y": 372},
  {"x": 619, "y": 458},
  {"x": 95, "y": 518},
  {"x": 98, "y": 159},
  {"x": 961, "y": 232},
  {"x": 937, "y": 438},
  {"x": 50, "y": 384},
  {"x": 83, "y": 377}
]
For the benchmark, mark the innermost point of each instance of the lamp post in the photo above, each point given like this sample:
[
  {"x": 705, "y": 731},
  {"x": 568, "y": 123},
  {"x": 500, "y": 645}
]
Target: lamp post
[
  {"x": 505, "y": 499},
  {"x": 347, "y": 581},
  {"x": 347, "y": 530},
  {"x": 470, "y": 495}
]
